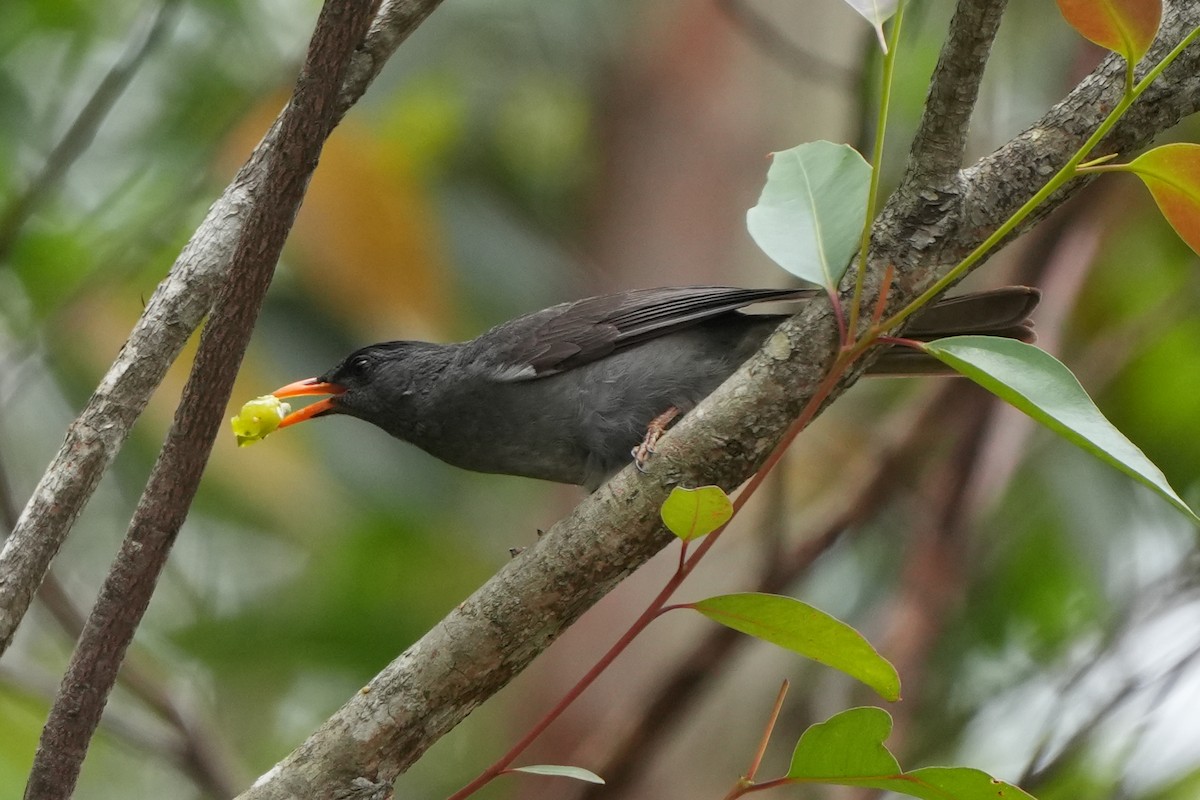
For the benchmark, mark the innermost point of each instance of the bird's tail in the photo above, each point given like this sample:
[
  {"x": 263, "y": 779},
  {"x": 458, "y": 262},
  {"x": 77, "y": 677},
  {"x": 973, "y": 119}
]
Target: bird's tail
[{"x": 994, "y": 312}]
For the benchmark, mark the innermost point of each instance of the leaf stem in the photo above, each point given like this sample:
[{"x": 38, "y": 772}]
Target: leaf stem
[
  {"x": 1098, "y": 169},
  {"x": 885, "y": 100},
  {"x": 840, "y": 315},
  {"x": 756, "y": 762},
  {"x": 652, "y": 611},
  {"x": 885, "y": 289},
  {"x": 1095, "y": 162}
]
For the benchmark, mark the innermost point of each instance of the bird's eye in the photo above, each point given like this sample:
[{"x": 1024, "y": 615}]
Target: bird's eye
[{"x": 359, "y": 365}]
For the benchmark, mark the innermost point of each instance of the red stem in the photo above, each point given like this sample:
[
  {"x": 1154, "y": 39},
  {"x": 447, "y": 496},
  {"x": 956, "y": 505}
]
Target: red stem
[
  {"x": 839, "y": 314},
  {"x": 649, "y": 615},
  {"x": 884, "y": 290},
  {"x": 756, "y": 762},
  {"x": 900, "y": 341},
  {"x": 761, "y": 787}
]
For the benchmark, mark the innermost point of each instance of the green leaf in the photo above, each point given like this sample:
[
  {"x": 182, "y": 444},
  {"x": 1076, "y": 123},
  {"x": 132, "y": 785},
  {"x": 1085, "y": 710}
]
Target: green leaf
[
  {"x": 848, "y": 750},
  {"x": 556, "y": 770},
  {"x": 961, "y": 783},
  {"x": 1038, "y": 384},
  {"x": 1123, "y": 26},
  {"x": 847, "y": 745},
  {"x": 811, "y": 211},
  {"x": 692, "y": 513},
  {"x": 812, "y": 633},
  {"x": 1172, "y": 174}
]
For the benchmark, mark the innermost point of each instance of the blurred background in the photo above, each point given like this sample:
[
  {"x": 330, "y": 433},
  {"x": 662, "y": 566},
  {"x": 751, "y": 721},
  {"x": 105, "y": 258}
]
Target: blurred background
[{"x": 1041, "y": 609}]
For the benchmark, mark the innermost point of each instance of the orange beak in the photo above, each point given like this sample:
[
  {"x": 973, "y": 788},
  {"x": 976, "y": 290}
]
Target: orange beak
[{"x": 305, "y": 388}]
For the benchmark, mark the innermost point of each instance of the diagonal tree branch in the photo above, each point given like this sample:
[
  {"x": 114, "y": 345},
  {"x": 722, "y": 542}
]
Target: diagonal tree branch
[
  {"x": 173, "y": 312},
  {"x": 393, "y": 23},
  {"x": 302, "y": 129},
  {"x": 198, "y": 749},
  {"x": 496, "y": 632}
]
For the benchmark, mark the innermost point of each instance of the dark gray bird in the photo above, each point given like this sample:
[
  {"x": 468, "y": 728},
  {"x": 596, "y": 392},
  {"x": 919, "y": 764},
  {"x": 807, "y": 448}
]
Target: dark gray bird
[{"x": 564, "y": 394}]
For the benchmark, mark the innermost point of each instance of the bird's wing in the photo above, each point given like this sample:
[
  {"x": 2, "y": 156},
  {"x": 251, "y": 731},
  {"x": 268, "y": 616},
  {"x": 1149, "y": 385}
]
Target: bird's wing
[{"x": 572, "y": 334}]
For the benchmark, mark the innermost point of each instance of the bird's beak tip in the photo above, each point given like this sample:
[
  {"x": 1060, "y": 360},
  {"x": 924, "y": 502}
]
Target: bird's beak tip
[{"x": 306, "y": 388}]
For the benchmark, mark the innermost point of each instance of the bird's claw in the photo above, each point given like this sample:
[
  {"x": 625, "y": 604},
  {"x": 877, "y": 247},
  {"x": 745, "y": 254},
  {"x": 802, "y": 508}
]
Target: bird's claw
[{"x": 657, "y": 427}]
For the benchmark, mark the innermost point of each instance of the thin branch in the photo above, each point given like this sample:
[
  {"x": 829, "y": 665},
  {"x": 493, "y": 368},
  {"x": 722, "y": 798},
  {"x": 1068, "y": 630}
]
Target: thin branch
[
  {"x": 941, "y": 139},
  {"x": 933, "y": 575},
  {"x": 303, "y": 127},
  {"x": 393, "y": 23},
  {"x": 1042, "y": 769},
  {"x": 80, "y": 134},
  {"x": 171, "y": 315},
  {"x": 768, "y": 729},
  {"x": 8, "y": 508}
]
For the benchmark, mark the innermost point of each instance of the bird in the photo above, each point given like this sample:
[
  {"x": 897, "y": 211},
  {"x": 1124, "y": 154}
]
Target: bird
[{"x": 566, "y": 394}]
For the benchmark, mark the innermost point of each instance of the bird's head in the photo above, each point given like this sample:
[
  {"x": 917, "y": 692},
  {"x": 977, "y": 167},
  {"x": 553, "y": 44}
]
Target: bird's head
[{"x": 371, "y": 383}]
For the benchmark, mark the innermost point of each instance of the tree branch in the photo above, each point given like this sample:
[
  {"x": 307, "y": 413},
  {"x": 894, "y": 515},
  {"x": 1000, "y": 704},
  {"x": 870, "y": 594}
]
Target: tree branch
[
  {"x": 171, "y": 315},
  {"x": 393, "y": 23},
  {"x": 302, "y": 128},
  {"x": 496, "y": 632},
  {"x": 941, "y": 139}
]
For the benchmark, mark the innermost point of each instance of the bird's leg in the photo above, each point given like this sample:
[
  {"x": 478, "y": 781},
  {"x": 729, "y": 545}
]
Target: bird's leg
[{"x": 657, "y": 427}]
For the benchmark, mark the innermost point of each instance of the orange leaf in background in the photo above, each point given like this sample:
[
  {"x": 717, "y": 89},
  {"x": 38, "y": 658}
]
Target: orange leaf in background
[
  {"x": 366, "y": 245},
  {"x": 1172, "y": 174},
  {"x": 1123, "y": 26}
]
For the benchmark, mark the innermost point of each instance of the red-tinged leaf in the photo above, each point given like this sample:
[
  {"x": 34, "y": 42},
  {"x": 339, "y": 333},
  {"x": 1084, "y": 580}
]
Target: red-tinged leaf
[
  {"x": 1123, "y": 26},
  {"x": 692, "y": 513},
  {"x": 1172, "y": 174}
]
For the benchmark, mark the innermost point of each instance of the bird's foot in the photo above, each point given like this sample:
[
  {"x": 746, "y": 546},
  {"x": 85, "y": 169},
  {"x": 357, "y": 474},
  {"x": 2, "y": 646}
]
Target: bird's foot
[{"x": 654, "y": 431}]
